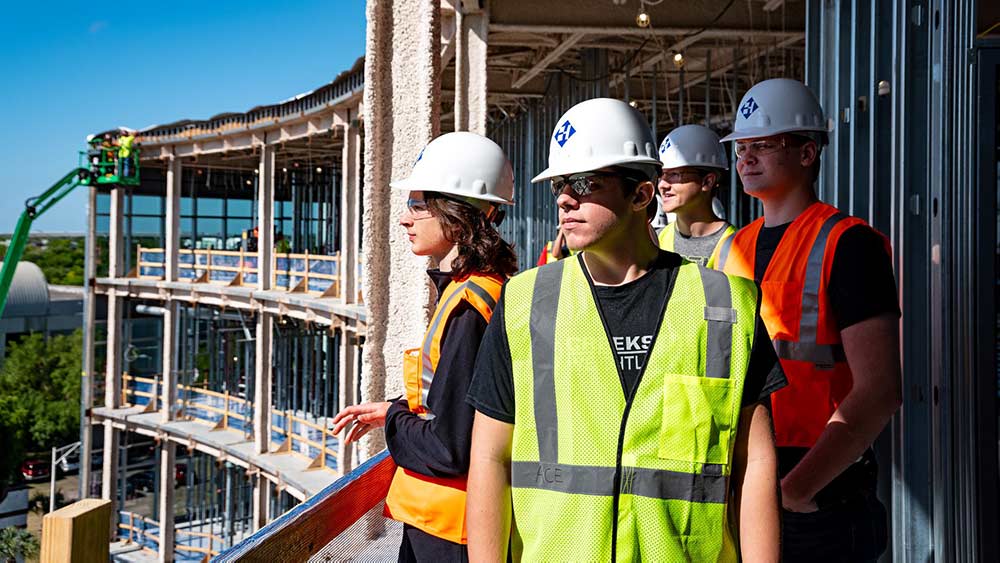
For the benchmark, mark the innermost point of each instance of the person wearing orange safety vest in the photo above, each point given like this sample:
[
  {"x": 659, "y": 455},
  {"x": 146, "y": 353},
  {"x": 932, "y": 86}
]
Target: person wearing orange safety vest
[
  {"x": 554, "y": 250},
  {"x": 456, "y": 190},
  {"x": 830, "y": 305},
  {"x": 693, "y": 163}
]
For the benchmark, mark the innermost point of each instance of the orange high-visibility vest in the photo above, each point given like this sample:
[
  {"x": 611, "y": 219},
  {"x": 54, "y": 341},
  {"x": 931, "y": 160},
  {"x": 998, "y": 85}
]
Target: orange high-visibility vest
[
  {"x": 436, "y": 505},
  {"x": 795, "y": 308}
]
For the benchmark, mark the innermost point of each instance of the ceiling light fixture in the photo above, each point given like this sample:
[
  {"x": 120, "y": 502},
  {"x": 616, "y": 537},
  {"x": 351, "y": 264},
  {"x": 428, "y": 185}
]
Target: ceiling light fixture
[{"x": 642, "y": 20}]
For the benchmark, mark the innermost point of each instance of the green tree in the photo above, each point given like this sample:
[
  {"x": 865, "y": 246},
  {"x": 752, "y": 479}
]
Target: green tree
[
  {"x": 39, "y": 396},
  {"x": 61, "y": 259},
  {"x": 16, "y": 542}
]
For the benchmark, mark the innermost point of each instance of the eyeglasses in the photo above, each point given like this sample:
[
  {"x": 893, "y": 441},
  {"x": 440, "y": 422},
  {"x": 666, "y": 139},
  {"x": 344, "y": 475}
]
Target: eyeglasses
[
  {"x": 679, "y": 176},
  {"x": 581, "y": 184},
  {"x": 586, "y": 183},
  {"x": 418, "y": 208},
  {"x": 761, "y": 147}
]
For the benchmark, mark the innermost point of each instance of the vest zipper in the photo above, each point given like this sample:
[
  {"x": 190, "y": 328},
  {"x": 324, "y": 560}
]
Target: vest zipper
[{"x": 617, "y": 481}]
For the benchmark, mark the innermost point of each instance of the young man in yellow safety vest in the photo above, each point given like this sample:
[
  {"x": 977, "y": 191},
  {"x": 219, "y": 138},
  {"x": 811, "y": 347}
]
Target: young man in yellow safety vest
[
  {"x": 621, "y": 393},
  {"x": 830, "y": 305},
  {"x": 693, "y": 162}
]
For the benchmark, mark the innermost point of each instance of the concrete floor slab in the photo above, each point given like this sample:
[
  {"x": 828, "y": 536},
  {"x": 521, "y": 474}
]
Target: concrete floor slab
[{"x": 291, "y": 469}]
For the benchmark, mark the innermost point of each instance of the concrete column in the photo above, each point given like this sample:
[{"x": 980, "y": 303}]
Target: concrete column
[
  {"x": 168, "y": 388},
  {"x": 88, "y": 360},
  {"x": 265, "y": 321},
  {"x": 350, "y": 187},
  {"x": 172, "y": 219},
  {"x": 348, "y": 384},
  {"x": 113, "y": 363},
  {"x": 262, "y": 384},
  {"x": 168, "y": 399},
  {"x": 349, "y": 226},
  {"x": 265, "y": 218},
  {"x": 402, "y": 113},
  {"x": 166, "y": 516},
  {"x": 471, "y": 31},
  {"x": 116, "y": 243},
  {"x": 261, "y": 502}
]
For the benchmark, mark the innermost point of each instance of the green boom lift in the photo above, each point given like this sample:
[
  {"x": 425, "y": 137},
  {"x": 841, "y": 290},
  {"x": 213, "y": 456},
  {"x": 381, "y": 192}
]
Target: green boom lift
[{"x": 102, "y": 167}]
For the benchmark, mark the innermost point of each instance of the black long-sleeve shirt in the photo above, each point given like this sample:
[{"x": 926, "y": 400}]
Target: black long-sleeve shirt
[{"x": 439, "y": 447}]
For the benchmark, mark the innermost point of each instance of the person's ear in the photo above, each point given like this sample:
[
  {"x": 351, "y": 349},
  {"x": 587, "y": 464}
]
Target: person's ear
[
  {"x": 644, "y": 193},
  {"x": 708, "y": 181},
  {"x": 808, "y": 154}
]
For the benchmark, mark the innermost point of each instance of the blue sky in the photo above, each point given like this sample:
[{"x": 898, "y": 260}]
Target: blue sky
[{"x": 70, "y": 69}]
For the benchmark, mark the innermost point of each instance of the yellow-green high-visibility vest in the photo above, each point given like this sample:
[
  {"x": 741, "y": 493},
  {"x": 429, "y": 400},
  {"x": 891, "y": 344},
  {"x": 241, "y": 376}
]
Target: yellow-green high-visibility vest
[
  {"x": 125, "y": 146},
  {"x": 669, "y": 234},
  {"x": 597, "y": 476}
]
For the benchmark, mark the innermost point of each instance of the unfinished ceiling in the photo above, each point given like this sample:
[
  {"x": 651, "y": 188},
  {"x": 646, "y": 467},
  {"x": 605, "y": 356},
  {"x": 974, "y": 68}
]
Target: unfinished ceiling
[{"x": 700, "y": 55}]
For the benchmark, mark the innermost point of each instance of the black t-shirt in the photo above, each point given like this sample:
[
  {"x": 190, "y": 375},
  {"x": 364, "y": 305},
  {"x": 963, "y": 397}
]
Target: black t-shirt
[
  {"x": 631, "y": 313},
  {"x": 853, "y": 297}
]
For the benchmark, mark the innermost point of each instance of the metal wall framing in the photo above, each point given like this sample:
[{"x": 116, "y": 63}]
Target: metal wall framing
[
  {"x": 898, "y": 81},
  {"x": 524, "y": 137}
]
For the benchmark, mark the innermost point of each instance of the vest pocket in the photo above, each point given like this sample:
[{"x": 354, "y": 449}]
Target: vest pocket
[{"x": 697, "y": 419}]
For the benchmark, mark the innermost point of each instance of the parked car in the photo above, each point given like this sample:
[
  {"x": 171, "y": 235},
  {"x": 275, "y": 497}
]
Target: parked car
[
  {"x": 35, "y": 469},
  {"x": 143, "y": 481},
  {"x": 71, "y": 463}
]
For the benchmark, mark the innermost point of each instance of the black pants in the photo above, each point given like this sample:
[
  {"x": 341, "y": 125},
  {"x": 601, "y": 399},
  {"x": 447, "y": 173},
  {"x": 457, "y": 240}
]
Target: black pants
[
  {"x": 419, "y": 546},
  {"x": 854, "y": 530}
]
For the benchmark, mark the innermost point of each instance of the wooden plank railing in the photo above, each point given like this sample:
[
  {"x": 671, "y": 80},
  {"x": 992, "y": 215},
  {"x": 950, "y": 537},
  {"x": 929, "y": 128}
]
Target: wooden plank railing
[
  {"x": 234, "y": 408},
  {"x": 306, "y": 272},
  {"x": 134, "y": 528}
]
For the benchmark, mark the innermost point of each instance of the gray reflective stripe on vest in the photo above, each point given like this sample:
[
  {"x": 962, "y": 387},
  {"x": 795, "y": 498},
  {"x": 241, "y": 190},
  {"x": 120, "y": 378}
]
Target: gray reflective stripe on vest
[
  {"x": 427, "y": 371},
  {"x": 824, "y": 356},
  {"x": 599, "y": 481},
  {"x": 482, "y": 293},
  {"x": 720, "y": 317},
  {"x": 544, "y": 305},
  {"x": 727, "y": 243},
  {"x": 809, "y": 320}
]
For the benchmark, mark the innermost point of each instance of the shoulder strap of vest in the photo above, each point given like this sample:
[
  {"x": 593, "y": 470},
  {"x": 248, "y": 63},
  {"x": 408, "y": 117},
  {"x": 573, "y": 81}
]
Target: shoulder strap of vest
[
  {"x": 482, "y": 292},
  {"x": 735, "y": 254},
  {"x": 666, "y": 237},
  {"x": 721, "y": 250}
]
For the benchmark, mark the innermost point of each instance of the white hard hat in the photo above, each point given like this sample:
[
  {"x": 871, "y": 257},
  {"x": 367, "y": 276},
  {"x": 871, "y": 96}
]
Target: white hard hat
[
  {"x": 599, "y": 133},
  {"x": 778, "y": 105},
  {"x": 462, "y": 164},
  {"x": 693, "y": 145}
]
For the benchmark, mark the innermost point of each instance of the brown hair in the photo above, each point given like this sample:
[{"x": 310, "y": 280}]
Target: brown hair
[{"x": 480, "y": 247}]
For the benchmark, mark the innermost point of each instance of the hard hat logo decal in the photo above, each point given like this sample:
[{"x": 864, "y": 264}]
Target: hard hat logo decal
[
  {"x": 564, "y": 132},
  {"x": 748, "y": 108},
  {"x": 665, "y": 145},
  {"x": 419, "y": 156}
]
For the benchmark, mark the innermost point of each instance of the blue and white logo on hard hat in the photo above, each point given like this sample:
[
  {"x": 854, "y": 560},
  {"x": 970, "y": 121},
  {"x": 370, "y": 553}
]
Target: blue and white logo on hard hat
[
  {"x": 564, "y": 132},
  {"x": 419, "y": 156},
  {"x": 665, "y": 145},
  {"x": 748, "y": 108}
]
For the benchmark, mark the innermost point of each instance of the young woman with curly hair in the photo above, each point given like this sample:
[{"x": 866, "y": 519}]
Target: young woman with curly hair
[{"x": 456, "y": 192}]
